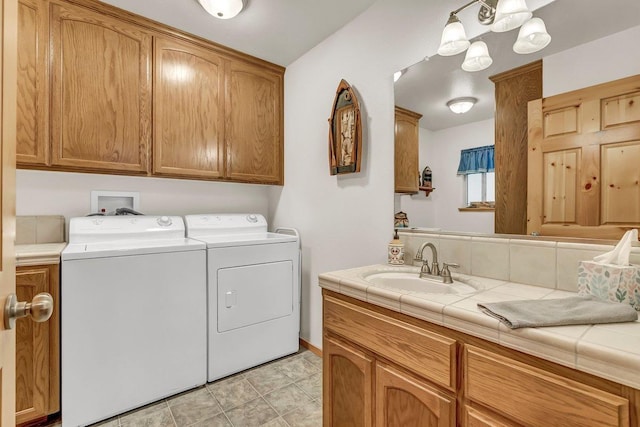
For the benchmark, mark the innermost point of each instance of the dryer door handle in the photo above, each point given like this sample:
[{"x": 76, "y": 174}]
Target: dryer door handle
[{"x": 230, "y": 299}]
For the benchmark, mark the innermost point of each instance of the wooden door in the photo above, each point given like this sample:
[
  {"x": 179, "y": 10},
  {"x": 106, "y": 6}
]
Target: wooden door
[
  {"x": 407, "y": 151},
  {"x": 584, "y": 152},
  {"x": 513, "y": 89},
  {"x": 32, "y": 350},
  {"x": 405, "y": 401},
  {"x": 8, "y": 85},
  {"x": 254, "y": 124},
  {"x": 101, "y": 92},
  {"x": 347, "y": 385},
  {"x": 188, "y": 117},
  {"x": 32, "y": 139}
]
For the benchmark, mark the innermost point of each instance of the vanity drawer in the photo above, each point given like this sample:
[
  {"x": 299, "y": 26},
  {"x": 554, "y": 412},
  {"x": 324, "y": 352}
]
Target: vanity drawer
[
  {"x": 428, "y": 354},
  {"x": 531, "y": 396}
]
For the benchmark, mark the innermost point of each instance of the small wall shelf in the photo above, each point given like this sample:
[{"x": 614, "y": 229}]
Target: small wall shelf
[{"x": 427, "y": 190}]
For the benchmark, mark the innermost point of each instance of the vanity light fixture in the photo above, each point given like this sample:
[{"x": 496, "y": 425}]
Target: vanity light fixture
[
  {"x": 222, "y": 9},
  {"x": 397, "y": 75},
  {"x": 461, "y": 105},
  {"x": 501, "y": 15}
]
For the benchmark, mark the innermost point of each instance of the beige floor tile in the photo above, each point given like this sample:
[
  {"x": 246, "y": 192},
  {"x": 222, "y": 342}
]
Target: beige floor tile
[
  {"x": 298, "y": 368},
  {"x": 234, "y": 394},
  {"x": 307, "y": 415},
  {"x": 269, "y": 380},
  {"x": 312, "y": 385},
  {"x": 254, "y": 413},
  {"x": 132, "y": 416},
  {"x": 286, "y": 399},
  {"x": 189, "y": 409},
  {"x": 219, "y": 420},
  {"x": 158, "y": 418},
  {"x": 278, "y": 422}
]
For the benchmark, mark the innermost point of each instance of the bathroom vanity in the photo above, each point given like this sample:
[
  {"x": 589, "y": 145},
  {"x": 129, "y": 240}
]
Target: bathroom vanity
[{"x": 400, "y": 357}]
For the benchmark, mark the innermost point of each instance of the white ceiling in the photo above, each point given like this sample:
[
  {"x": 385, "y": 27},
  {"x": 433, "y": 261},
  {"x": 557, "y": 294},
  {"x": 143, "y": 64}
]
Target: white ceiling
[
  {"x": 427, "y": 86},
  {"x": 278, "y": 31}
]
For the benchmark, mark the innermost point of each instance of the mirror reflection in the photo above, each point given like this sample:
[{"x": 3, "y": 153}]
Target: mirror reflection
[{"x": 591, "y": 43}]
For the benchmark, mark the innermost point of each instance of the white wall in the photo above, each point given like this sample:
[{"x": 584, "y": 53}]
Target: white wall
[
  {"x": 591, "y": 63},
  {"x": 69, "y": 194}
]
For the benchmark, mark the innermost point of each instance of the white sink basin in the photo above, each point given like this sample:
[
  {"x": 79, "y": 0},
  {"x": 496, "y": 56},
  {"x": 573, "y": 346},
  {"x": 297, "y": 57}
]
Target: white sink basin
[{"x": 409, "y": 281}]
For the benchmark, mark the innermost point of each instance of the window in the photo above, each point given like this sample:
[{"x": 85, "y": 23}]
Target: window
[{"x": 477, "y": 167}]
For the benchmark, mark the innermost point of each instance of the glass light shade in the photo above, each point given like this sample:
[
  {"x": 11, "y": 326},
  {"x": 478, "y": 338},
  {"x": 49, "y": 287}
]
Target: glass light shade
[
  {"x": 454, "y": 39},
  {"x": 532, "y": 37},
  {"x": 397, "y": 75},
  {"x": 222, "y": 9},
  {"x": 477, "y": 57},
  {"x": 510, "y": 14},
  {"x": 461, "y": 105}
]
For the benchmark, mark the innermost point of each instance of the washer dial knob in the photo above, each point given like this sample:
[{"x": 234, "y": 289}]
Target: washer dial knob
[
  {"x": 252, "y": 218},
  {"x": 164, "y": 221}
]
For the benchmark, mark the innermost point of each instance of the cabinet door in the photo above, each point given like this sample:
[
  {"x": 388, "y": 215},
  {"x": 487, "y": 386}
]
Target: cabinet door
[
  {"x": 32, "y": 350},
  {"x": 407, "y": 169},
  {"x": 32, "y": 142},
  {"x": 100, "y": 107},
  {"x": 188, "y": 114},
  {"x": 474, "y": 417},
  {"x": 253, "y": 124},
  {"x": 347, "y": 385},
  {"x": 404, "y": 401}
]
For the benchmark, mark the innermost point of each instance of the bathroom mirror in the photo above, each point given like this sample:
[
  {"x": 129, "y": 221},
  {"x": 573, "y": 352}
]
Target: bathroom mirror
[{"x": 574, "y": 25}]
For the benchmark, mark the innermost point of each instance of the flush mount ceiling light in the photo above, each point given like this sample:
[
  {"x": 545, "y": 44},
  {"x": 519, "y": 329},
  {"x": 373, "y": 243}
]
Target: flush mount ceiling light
[
  {"x": 222, "y": 9},
  {"x": 397, "y": 75},
  {"x": 501, "y": 15},
  {"x": 461, "y": 105}
]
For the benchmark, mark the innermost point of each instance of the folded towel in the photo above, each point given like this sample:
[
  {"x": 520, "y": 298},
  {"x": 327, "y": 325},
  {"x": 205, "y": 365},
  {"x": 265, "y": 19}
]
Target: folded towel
[{"x": 582, "y": 310}]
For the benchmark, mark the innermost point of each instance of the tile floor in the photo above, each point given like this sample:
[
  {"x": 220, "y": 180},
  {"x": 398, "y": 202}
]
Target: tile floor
[{"x": 285, "y": 392}]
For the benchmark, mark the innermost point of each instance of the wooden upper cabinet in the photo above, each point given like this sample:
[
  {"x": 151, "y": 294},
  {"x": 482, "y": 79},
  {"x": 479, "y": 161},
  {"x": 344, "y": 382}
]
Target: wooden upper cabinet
[
  {"x": 188, "y": 118},
  {"x": 584, "y": 151},
  {"x": 32, "y": 141},
  {"x": 101, "y": 92},
  {"x": 407, "y": 168},
  {"x": 253, "y": 124}
]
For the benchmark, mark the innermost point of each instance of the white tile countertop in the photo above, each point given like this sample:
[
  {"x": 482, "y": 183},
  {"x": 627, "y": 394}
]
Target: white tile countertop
[
  {"x": 39, "y": 254},
  {"x": 610, "y": 351}
]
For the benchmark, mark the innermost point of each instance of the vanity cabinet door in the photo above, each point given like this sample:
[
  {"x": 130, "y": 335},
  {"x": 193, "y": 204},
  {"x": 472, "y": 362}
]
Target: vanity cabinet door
[
  {"x": 474, "y": 417},
  {"x": 32, "y": 142},
  {"x": 407, "y": 168},
  {"x": 37, "y": 348},
  {"x": 347, "y": 385},
  {"x": 254, "y": 124},
  {"x": 405, "y": 401},
  {"x": 101, "y": 92},
  {"x": 188, "y": 117}
]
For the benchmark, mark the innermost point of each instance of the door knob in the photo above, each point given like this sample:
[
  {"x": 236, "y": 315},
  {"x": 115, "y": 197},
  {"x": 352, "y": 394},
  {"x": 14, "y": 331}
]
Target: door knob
[{"x": 39, "y": 309}]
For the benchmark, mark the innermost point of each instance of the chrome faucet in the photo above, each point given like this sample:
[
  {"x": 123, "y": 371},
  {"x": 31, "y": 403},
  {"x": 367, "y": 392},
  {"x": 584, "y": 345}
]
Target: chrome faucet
[
  {"x": 434, "y": 272},
  {"x": 425, "y": 270}
]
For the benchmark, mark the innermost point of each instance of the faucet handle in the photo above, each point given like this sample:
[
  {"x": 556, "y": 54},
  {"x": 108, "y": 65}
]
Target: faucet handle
[
  {"x": 425, "y": 267},
  {"x": 445, "y": 268}
]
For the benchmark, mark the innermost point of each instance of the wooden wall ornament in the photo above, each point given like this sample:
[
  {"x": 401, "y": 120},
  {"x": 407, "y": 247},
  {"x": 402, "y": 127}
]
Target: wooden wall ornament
[{"x": 345, "y": 132}]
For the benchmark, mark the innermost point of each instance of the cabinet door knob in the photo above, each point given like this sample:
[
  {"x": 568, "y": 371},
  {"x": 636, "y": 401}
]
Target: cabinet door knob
[{"x": 40, "y": 309}]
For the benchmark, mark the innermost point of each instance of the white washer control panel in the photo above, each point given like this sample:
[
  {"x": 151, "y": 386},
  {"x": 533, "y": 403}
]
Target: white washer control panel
[
  {"x": 217, "y": 224},
  {"x": 164, "y": 221},
  {"x": 90, "y": 229}
]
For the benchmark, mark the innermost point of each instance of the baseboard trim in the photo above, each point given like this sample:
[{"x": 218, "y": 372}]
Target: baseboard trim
[{"x": 312, "y": 348}]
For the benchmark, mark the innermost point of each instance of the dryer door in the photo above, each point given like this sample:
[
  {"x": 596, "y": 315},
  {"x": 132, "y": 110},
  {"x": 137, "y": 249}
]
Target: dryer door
[{"x": 252, "y": 294}]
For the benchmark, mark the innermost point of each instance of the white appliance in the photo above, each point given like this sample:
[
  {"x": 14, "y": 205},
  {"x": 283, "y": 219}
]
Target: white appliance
[
  {"x": 253, "y": 291},
  {"x": 133, "y": 313}
]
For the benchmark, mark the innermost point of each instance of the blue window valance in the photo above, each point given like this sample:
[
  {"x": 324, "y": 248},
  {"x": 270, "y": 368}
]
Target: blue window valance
[{"x": 476, "y": 160}]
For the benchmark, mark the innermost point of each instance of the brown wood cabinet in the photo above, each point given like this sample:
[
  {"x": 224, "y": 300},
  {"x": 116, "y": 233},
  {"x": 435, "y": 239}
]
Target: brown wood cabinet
[
  {"x": 584, "y": 151},
  {"x": 253, "y": 124},
  {"x": 377, "y": 372},
  {"x": 188, "y": 118},
  {"x": 121, "y": 94},
  {"x": 513, "y": 89},
  {"x": 407, "y": 168},
  {"x": 37, "y": 347},
  {"x": 32, "y": 147},
  {"x": 101, "y": 91}
]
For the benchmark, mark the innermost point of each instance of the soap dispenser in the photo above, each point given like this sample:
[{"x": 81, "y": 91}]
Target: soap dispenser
[{"x": 396, "y": 250}]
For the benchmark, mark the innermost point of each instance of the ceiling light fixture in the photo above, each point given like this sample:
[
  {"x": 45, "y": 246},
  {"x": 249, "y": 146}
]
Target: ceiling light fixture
[
  {"x": 501, "y": 15},
  {"x": 222, "y": 9},
  {"x": 397, "y": 75},
  {"x": 461, "y": 105}
]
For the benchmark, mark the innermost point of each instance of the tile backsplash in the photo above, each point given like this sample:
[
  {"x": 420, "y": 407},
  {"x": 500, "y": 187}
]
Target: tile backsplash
[
  {"x": 32, "y": 230},
  {"x": 544, "y": 263}
]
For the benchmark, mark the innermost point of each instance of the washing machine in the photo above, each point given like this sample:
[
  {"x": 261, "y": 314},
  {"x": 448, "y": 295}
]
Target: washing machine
[
  {"x": 133, "y": 315},
  {"x": 253, "y": 291}
]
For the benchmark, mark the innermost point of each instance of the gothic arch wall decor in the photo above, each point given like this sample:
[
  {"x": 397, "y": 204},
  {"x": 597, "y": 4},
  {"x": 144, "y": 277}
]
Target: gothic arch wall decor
[{"x": 345, "y": 132}]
